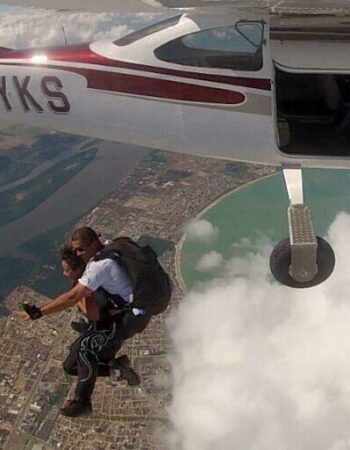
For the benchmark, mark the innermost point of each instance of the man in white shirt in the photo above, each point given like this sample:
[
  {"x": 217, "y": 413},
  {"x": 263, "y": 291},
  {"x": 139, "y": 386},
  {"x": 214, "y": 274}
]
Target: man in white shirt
[{"x": 110, "y": 276}]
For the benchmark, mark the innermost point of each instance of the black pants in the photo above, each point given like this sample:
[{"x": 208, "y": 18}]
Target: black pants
[
  {"x": 134, "y": 324},
  {"x": 90, "y": 353},
  {"x": 131, "y": 324}
]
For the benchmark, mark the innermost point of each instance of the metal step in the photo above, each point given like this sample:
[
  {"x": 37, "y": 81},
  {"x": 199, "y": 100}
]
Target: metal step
[
  {"x": 303, "y": 242},
  {"x": 301, "y": 230}
]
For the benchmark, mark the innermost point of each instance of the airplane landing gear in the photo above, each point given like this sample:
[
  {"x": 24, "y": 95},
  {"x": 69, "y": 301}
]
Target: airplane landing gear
[
  {"x": 280, "y": 261},
  {"x": 304, "y": 259}
]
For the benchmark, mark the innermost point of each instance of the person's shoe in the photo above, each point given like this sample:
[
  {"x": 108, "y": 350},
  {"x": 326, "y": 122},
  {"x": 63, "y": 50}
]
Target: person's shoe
[
  {"x": 122, "y": 366},
  {"x": 80, "y": 326},
  {"x": 76, "y": 408}
]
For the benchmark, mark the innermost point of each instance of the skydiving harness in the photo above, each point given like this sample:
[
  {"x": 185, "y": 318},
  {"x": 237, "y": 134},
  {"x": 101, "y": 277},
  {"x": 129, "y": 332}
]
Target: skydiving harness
[{"x": 151, "y": 287}]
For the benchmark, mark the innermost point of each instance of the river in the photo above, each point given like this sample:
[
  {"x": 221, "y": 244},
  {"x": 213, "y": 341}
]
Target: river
[{"x": 113, "y": 163}]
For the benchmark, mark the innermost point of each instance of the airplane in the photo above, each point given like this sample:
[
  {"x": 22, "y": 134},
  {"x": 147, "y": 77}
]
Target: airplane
[{"x": 255, "y": 81}]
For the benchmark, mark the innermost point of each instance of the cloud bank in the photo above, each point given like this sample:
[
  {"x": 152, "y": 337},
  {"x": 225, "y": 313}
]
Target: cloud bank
[
  {"x": 209, "y": 261},
  {"x": 200, "y": 230},
  {"x": 258, "y": 366}
]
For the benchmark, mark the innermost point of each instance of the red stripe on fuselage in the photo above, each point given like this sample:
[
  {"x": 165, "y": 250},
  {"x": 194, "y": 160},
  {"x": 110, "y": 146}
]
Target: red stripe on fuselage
[
  {"x": 153, "y": 87},
  {"x": 146, "y": 86},
  {"x": 82, "y": 54}
]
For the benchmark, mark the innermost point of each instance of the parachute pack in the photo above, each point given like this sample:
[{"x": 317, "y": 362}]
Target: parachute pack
[{"x": 150, "y": 283}]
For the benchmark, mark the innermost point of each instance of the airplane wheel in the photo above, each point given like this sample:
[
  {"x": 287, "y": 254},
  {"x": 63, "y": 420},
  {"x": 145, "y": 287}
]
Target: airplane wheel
[{"x": 280, "y": 261}]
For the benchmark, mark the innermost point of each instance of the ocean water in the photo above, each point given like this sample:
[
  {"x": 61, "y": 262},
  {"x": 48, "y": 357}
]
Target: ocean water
[{"x": 257, "y": 213}]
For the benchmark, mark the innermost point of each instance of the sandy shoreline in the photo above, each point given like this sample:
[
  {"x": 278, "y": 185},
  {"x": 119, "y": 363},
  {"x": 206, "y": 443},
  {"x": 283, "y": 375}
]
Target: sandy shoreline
[{"x": 178, "y": 247}]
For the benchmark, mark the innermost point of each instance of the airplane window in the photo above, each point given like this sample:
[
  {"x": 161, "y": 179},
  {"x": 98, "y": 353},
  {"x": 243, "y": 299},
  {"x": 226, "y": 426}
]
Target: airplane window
[
  {"x": 225, "y": 47},
  {"x": 144, "y": 32},
  {"x": 250, "y": 31}
]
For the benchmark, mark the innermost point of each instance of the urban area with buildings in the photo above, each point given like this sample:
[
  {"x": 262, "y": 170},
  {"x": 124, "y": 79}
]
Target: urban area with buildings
[{"x": 163, "y": 193}]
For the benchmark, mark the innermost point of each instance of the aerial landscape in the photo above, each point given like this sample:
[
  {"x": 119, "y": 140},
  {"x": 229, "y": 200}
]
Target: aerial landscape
[{"x": 152, "y": 204}]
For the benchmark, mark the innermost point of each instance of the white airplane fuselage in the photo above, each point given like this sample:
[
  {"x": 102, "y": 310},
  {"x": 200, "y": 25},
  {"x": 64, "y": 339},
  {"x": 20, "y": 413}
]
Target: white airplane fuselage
[{"x": 124, "y": 91}]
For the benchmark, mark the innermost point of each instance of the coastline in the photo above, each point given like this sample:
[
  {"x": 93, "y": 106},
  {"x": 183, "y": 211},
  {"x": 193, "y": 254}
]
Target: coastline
[{"x": 178, "y": 247}]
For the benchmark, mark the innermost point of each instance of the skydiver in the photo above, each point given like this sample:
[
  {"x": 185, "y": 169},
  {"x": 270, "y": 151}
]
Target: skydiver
[
  {"x": 99, "y": 324},
  {"x": 104, "y": 338},
  {"x": 107, "y": 276}
]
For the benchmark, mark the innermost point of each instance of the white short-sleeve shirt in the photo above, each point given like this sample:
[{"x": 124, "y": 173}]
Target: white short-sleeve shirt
[{"x": 108, "y": 275}]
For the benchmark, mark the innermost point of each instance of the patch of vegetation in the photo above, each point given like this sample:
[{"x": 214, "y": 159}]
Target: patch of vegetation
[
  {"x": 21, "y": 160},
  {"x": 57, "y": 397},
  {"x": 158, "y": 156},
  {"x": 16, "y": 202},
  {"x": 5, "y": 163},
  {"x": 23, "y": 132}
]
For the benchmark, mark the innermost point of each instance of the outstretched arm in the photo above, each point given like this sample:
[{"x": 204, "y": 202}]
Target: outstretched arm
[
  {"x": 62, "y": 302},
  {"x": 66, "y": 300}
]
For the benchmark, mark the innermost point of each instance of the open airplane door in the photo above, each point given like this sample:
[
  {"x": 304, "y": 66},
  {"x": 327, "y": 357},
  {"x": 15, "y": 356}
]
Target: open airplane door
[
  {"x": 312, "y": 80},
  {"x": 311, "y": 72}
]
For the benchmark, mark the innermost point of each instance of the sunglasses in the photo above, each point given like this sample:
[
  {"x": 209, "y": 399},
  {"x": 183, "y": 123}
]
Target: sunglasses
[{"x": 81, "y": 248}]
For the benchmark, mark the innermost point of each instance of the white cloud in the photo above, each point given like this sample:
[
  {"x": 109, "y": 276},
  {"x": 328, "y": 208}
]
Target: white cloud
[
  {"x": 209, "y": 261},
  {"x": 260, "y": 366},
  {"x": 39, "y": 28},
  {"x": 200, "y": 230}
]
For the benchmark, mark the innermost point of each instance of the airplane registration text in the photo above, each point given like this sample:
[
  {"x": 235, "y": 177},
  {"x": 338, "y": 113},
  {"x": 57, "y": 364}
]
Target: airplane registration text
[{"x": 50, "y": 85}]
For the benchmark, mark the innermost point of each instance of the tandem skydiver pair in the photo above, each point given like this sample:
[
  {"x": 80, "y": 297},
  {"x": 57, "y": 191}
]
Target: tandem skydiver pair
[{"x": 118, "y": 287}]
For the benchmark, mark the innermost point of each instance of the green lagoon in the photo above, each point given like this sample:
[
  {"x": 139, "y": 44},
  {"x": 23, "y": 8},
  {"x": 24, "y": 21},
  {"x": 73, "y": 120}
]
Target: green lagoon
[{"x": 258, "y": 211}]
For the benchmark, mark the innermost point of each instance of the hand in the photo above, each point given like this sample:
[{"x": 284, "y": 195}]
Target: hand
[
  {"x": 32, "y": 311},
  {"x": 21, "y": 315}
]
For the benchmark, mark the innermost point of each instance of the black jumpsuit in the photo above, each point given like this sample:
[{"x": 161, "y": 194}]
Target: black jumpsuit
[{"x": 90, "y": 353}]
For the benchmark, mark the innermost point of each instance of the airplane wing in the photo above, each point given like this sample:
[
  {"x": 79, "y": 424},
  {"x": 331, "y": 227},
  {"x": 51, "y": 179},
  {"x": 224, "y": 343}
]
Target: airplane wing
[
  {"x": 133, "y": 6},
  {"x": 115, "y": 6},
  {"x": 277, "y": 6}
]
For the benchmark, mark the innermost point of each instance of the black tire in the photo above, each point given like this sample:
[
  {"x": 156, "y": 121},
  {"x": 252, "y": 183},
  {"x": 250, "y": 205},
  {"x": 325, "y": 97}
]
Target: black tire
[{"x": 280, "y": 261}]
